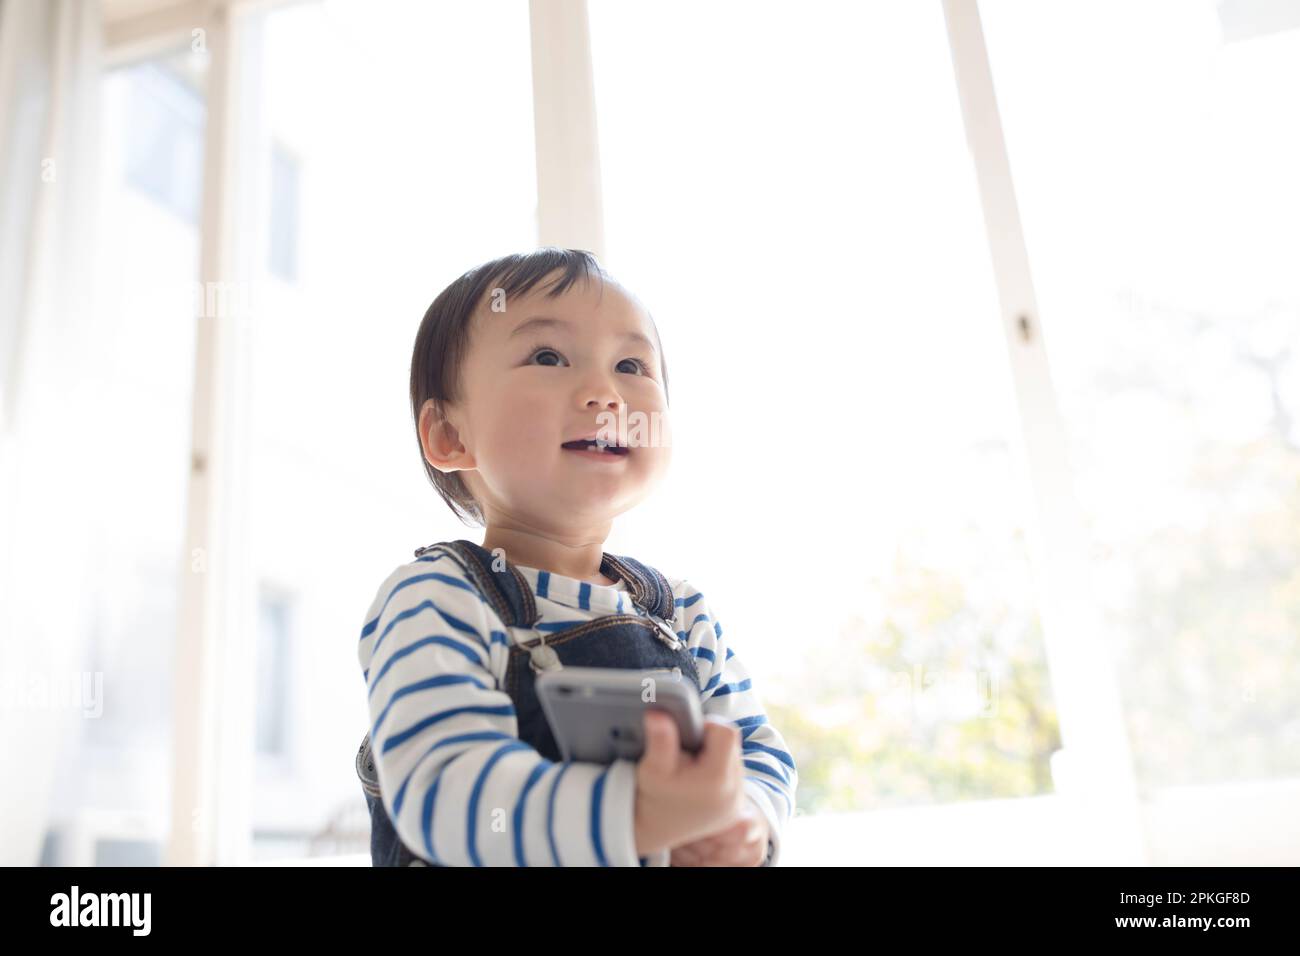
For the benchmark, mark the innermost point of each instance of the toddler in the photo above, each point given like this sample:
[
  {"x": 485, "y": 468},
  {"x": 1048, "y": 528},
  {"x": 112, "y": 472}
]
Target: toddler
[{"x": 539, "y": 390}]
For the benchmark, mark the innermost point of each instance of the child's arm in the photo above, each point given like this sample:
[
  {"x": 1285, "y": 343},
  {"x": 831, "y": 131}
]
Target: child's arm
[
  {"x": 460, "y": 787},
  {"x": 771, "y": 777}
]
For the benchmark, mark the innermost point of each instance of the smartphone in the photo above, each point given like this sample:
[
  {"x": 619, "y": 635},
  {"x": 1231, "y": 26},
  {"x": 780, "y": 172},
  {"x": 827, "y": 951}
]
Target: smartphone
[{"x": 596, "y": 713}]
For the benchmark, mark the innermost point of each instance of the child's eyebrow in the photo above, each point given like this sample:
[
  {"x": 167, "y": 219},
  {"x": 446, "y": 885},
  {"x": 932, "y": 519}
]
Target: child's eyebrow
[{"x": 547, "y": 322}]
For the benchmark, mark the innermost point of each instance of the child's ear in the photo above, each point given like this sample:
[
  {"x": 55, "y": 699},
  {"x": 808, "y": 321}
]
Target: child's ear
[{"x": 441, "y": 441}]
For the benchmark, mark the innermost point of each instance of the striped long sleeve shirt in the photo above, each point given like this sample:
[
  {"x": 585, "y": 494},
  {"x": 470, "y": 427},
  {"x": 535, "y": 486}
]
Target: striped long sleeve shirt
[{"x": 458, "y": 784}]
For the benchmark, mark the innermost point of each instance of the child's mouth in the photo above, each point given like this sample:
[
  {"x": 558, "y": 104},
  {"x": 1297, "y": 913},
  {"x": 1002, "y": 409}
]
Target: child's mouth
[{"x": 592, "y": 447}]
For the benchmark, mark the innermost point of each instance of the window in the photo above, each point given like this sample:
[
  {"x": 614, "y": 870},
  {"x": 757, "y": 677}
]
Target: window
[
  {"x": 165, "y": 140},
  {"x": 115, "y": 770},
  {"x": 847, "y": 484},
  {"x": 274, "y": 669},
  {"x": 371, "y": 214},
  {"x": 284, "y": 214},
  {"x": 1162, "y": 215}
]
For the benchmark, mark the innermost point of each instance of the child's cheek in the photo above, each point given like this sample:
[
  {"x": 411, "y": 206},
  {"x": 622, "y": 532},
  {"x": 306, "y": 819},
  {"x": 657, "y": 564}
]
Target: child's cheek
[
  {"x": 665, "y": 435},
  {"x": 661, "y": 463},
  {"x": 519, "y": 449},
  {"x": 659, "y": 442},
  {"x": 523, "y": 423}
]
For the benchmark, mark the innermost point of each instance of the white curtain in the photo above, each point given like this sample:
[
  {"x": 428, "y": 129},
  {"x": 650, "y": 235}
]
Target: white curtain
[{"x": 50, "y": 437}]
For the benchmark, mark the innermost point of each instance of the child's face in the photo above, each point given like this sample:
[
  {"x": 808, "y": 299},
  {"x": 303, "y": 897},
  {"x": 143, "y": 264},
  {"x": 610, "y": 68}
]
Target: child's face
[{"x": 529, "y": 387}]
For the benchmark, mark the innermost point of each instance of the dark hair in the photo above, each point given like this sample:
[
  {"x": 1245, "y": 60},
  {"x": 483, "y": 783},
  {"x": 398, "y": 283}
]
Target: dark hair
[{"x": 443, "y": 340}]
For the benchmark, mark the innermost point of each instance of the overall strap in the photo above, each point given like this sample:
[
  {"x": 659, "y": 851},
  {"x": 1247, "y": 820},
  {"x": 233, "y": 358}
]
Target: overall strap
[
  {"x": 504, "y": 589},
  {"x": 512, "y": 598},
  {"x": 649, "y": 588}
]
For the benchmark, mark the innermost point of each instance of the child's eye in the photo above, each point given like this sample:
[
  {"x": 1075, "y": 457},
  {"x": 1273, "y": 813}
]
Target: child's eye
[
  {"x": 542, "y": 349},
  {"x": 639, "y": 364},
  {"x": 642, "y": 369}
]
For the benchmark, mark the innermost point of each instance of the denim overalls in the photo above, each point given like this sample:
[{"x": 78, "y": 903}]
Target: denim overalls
[{"x": 637, "y": 641}]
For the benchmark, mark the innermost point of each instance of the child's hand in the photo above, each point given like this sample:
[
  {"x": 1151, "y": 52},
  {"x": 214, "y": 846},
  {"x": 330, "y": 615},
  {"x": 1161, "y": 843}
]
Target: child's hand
[
  {"x": 742, "y": 843},
  {"x": 681, "y": 797}
]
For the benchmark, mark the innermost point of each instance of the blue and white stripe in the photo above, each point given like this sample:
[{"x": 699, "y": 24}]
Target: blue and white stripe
[{"x": 462, "y": 789}]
